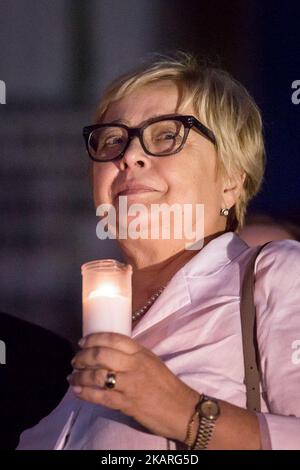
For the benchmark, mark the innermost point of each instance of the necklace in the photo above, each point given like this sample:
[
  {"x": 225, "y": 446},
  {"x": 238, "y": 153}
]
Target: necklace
[{"x": 141, "y": 311}]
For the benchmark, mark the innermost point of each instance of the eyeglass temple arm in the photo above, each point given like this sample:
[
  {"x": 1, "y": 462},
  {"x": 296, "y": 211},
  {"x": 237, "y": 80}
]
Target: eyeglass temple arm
[{"x": 205, "y": 131}]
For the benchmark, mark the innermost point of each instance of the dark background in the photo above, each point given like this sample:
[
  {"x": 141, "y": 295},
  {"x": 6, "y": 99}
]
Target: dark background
[{"x": 55, "y": 58}]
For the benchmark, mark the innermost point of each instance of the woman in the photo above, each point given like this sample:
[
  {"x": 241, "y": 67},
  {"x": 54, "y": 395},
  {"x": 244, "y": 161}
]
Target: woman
[{"x": 150, "y": 391}]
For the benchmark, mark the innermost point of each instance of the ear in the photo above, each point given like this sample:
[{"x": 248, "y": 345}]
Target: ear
[{"x": 232, "y": 189}]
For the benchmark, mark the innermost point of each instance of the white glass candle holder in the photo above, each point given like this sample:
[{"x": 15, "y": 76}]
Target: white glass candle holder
[{"x": 106, "y": 297}]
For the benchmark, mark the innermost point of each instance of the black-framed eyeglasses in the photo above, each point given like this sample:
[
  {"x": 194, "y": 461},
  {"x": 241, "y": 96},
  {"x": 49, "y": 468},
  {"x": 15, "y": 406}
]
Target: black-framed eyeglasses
[{"x": 159, "y": 136}]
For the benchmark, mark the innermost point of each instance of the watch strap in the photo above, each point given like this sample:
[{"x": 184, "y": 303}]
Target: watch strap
[
  {"x": 204, "y": 434},
  {"x": 206, "y": 425}
]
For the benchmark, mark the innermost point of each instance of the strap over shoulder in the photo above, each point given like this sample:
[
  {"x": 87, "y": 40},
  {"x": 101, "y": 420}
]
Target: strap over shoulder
[{"x": 249, "y": 337}]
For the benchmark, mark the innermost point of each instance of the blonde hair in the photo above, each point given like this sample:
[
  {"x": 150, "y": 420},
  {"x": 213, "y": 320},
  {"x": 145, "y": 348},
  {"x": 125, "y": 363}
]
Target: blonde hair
[{"x": 221, "y": 103}]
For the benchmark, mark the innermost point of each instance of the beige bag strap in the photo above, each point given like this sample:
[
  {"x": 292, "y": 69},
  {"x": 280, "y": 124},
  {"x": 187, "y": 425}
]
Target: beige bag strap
[{"x": 249, "y": 337}]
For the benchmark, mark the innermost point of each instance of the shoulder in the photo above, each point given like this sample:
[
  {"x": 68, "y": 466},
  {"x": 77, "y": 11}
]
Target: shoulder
[
  {"x": 277, "y": 300},
  {"x": 277, "y": 283},
  {"x": 279, "y": 261}
]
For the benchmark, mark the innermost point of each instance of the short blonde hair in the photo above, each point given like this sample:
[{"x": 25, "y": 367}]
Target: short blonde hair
[{"x": 221, "y": 103}]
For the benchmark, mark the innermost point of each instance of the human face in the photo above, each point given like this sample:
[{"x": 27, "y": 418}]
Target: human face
[{"x": 187, "y": 177}]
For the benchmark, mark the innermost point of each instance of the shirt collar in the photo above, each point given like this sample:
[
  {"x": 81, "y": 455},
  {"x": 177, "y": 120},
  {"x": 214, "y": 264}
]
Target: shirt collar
[
  {"x": 210, "y": 260},
  {"x": 215, "y": 255}
]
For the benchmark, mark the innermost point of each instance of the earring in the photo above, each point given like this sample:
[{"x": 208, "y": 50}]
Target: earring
[{"x": 224, "y": 212}]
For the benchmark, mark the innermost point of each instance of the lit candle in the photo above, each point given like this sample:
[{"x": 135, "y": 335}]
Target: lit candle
[
  {"x": 106, "y": 313},
  {"x": 106, "y": 300}
]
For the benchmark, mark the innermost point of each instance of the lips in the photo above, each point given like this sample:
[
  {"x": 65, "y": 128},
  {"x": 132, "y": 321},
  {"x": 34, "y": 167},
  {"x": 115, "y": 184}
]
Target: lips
[{"x": 133, "y": 188}]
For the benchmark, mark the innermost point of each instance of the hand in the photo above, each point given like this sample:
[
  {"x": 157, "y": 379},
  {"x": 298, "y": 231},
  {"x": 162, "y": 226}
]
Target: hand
[{"x": 145, "y": 388}]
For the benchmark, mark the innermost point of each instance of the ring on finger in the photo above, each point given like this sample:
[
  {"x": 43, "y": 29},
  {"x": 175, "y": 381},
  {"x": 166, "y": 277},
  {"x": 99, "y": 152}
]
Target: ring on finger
[{"x": 110, "y": 380}]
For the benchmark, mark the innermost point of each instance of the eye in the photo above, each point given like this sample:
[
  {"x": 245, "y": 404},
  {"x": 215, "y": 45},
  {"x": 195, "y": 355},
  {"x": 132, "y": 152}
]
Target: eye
[
  {"x": 165, "y": 131},
  {"x": 114, "y": 140},
  {"x": 111, "y": 139},
  {"x": 167, "y": 135}
]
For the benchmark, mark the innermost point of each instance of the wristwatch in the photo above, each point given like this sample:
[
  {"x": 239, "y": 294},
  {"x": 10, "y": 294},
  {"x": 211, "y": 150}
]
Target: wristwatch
[{"x": 209, "y": 411}]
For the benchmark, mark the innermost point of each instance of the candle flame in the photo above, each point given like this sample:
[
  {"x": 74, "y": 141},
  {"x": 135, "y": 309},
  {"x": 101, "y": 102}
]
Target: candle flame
[{"x": 106, "y": 290}]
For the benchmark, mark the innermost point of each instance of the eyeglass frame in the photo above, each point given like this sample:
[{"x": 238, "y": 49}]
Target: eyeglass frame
[{"x": 188, "y": 122}]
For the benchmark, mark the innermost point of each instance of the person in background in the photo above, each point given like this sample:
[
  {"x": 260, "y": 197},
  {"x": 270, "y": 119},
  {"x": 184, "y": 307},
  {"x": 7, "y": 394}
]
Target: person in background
[
  {"x": 260, "y": 229},
  {"x": 32, "y": 376}
]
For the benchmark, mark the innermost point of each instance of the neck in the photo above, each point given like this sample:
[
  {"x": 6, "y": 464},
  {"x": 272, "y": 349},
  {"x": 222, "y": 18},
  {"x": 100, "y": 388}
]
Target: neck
[{"x": 154, "y": 264}]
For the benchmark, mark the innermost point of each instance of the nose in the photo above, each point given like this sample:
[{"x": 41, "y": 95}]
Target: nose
[{"x": 134, "y": 155}]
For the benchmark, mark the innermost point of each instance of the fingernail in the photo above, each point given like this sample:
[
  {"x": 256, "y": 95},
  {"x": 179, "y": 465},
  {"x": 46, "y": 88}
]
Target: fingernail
[
  {"x": 77, "y": 389},
  {"x": 81, "y": 342}
]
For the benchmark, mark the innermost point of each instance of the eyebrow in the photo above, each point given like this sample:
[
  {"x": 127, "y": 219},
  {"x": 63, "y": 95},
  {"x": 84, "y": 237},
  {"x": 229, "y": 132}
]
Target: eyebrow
[
  {"x": 120, "y": 121},
  {"x": 127, "y": 123}
]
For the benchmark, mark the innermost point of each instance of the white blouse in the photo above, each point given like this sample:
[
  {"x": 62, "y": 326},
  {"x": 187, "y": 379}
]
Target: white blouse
[{"x": 194, "y": 327}]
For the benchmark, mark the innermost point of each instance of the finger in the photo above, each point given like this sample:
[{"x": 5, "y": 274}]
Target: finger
[
  {"x": 96, "y": 378},
  {"x": 106, "y": 358},
  {"x": 109, "y": 398},
  {"x": 111, "y": 340}
]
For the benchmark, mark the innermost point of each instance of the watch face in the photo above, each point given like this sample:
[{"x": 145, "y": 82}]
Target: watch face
[{"x": 210, "y": 409}]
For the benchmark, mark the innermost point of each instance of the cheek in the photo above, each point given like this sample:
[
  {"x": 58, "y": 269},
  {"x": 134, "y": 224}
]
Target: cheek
[
  {"x": 102, "y": 178},
  {"x": 190, "y": 182},
  {"x": 203, "y": 176},
  {"x": 195, "y": 181}
]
